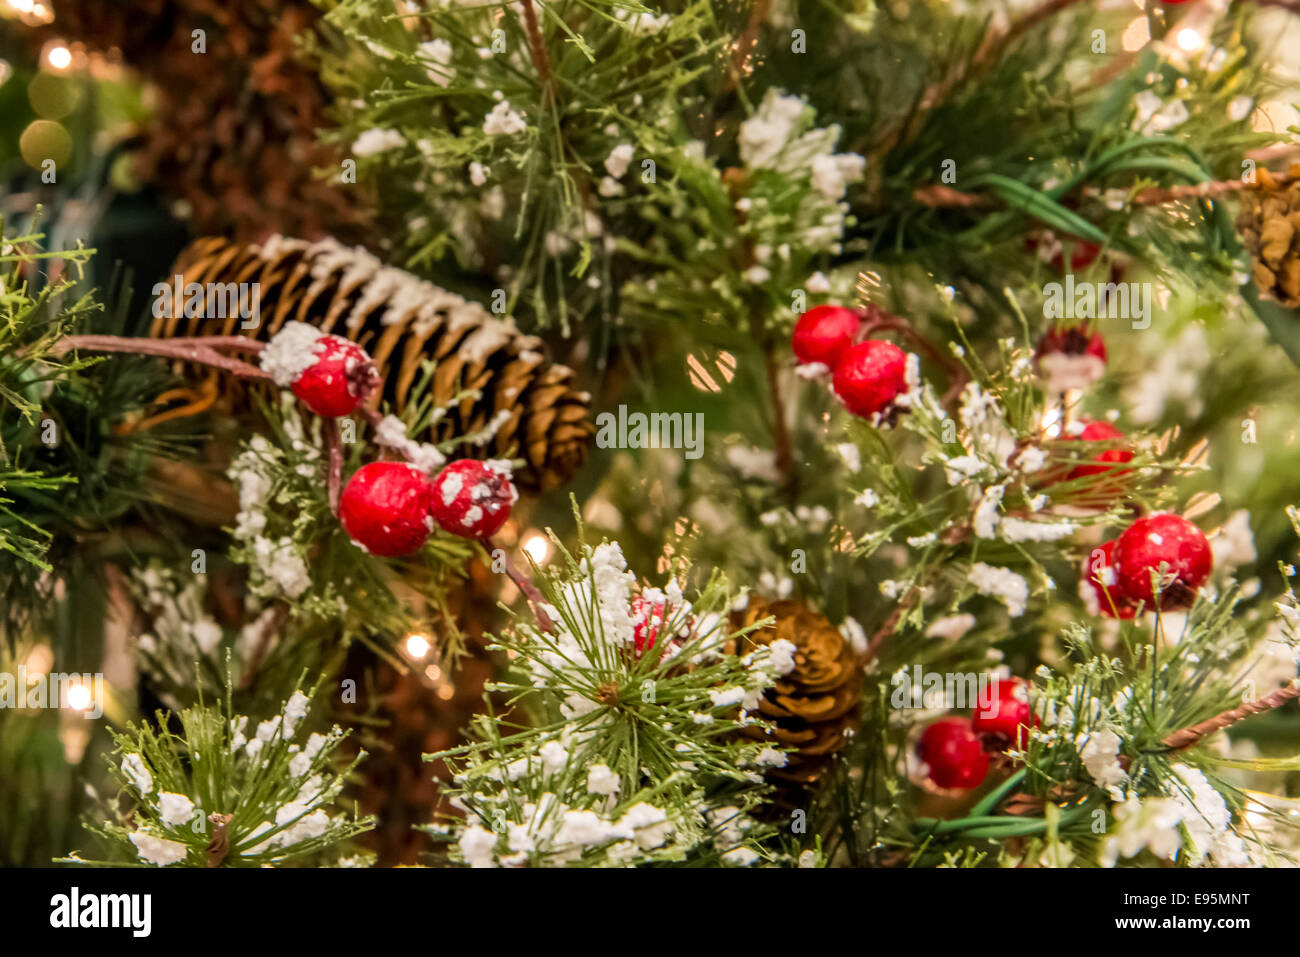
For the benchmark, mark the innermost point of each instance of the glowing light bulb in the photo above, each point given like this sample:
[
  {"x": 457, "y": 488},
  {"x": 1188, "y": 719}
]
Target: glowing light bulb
[
  {"x": 1051, "y": 422},
  {"x": 78, "y": 697},
  {"x": 1190, "y": 39},
  {"x": 417, "y": 646},
  {"x": 59, "y": 57},
  {"x": 538, "y": 547}
]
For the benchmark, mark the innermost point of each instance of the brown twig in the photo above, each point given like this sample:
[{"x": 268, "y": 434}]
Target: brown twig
[
  {"x": 876, "y": 318},
  {"x": 1186, "y": 737},
  {"x": 201, "y": 350},
  {"x": 219, "y": 846},
  {"x": 263, "y": 647},
  {"x": 334, "y": 449},
  {"x": 938, "y": 196},
  {"x": 890, "y": 624},
  {"x": 537, "y": 50},
  {"x": 983, "y": 58},
  {"x": 784, "y": 445},
  {"x": 525, "y": 585},
  {"x": 745, "y": 45}
]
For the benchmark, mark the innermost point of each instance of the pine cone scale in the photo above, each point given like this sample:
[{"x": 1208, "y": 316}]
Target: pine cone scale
[{"x": 402, "y": 321}]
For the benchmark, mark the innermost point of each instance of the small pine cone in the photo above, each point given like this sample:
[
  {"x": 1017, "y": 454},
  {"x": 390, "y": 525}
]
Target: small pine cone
[
  {"x": 1269, "y": 223},
  {"x": 814, "y": 705},
  {"x": 527, "y": 405}
]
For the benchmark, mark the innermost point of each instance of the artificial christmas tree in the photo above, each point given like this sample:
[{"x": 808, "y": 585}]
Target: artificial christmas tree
[{"x": 940, "y": 513}]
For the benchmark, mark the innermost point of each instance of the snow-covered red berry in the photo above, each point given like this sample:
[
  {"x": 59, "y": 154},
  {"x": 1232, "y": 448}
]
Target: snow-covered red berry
[
  {"x": 472, "y": 498},
  {"x": 329, "y": 374},
  {"x": 385, "y": 508},
  {"x": 824, "y": 333},
  {"x": 1070, "y": 357},
  {"x": 1005, "y": 721},
  {"x": 870, "y": 377},
  {"x": 1171, "y": 550},
  {"x": 954, "y": 754},
  {"x": 648, "y": 620},
  {"x": 1100, "y": 585}
]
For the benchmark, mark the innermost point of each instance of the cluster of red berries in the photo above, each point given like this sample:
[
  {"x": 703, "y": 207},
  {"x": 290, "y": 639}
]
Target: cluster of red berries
[
  {"x": 388, "y": 508},
  {"x": 1161, "y": 559},
  {"x": 956, "y": 750},
  {"x": 868, "y": 376}
]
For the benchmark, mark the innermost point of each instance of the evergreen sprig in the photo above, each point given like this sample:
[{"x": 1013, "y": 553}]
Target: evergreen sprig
[{"x": 218, "y": 792}]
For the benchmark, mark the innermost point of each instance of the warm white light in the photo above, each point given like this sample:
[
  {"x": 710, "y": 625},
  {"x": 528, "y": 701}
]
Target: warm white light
[
  {"x": 1136, "y": 35},
  {"x": 1190, "y": 40},
  {"x": 59, "y": 57},
  {"x": 1051, "y": 422},
  {"x": 538, "y": 547},
  {"x": 40, "y": 660},
  {"x": 417, "y": 646},
  {"x": 79, "y": 697},
  {"x": 22, "y": 6}
]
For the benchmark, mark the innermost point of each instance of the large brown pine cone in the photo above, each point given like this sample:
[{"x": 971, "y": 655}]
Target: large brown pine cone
[
  {"x": 813, "y": 706},
  {"x": 401, "y": 321},
  {"x": 1269, "y": 223},
  {"x": 234, "y": 129}
]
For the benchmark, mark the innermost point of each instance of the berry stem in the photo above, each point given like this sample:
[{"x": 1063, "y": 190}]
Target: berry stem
[
  {"x": 525, "y": 585},
  {"x": 200, "y": 349},
  {"x": 335, "y": 451},
  {"x": 873, "y": 318},
  {"x": 784, "y": 446}
]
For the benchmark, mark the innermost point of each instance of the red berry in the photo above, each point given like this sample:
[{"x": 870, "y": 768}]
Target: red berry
[
  {"x": 648, "y": 620},
  {"x": 1160, "y": 540},
  {"x": 1101, "y": 432},
  {"x": 473, "y": 499},
  {"x": 824, "y": 333},
  {"x": 1101, "y": 585},
  {"x": 1083, "y": 255},
  {"x": 329, "y": 374},
  {"x": 1008, "y": 718},
  {"x": 954, "y": 753},
  {"x": 385, "y": 508},
  {"x": 337, "y": 382},
  {"x": 1070, "y": 357},
  {"x": 870, "y": 376}
]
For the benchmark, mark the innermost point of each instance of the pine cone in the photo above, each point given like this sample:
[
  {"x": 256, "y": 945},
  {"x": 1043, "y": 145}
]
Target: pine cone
[
  {"x": 234, "y": 129},
  {"x": 402, "y": 320},
  {"x": 1269, "y": 223},
  {"x": 815, "y": 704}
]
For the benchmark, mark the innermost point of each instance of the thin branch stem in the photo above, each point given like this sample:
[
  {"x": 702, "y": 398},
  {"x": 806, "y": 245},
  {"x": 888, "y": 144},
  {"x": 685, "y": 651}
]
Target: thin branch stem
[
  {"x": 745, "y": 45},
  {"x": 985, "y": 57},
  {"x": 201, "y": 350},
  {"x": 526, "y": 587},
  {"x": 537, "y": 50},
  {"x": 784, "y": 445},
  {"x": 334, "y": 449},
  {"x": 1186, "y": 737}
]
